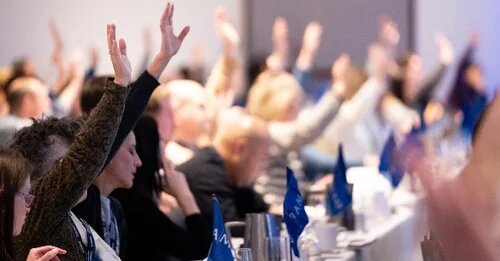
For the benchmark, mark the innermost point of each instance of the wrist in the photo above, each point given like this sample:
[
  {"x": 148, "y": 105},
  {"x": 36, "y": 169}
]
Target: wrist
[
  {"x": 120, "y": 82},
  {"x": 162, "y": 59},
  {"x": 188, "y": 203}
]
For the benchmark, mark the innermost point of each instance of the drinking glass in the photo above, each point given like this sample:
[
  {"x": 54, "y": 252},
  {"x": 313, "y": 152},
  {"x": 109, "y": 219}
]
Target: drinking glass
[
  {"x": 277, "y": 249},
  {"x": 244, "y": 254}
]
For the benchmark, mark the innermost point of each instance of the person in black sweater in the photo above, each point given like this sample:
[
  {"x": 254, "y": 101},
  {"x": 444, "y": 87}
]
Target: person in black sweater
[
  {"x": 151, "y": 234},
  {"x": 230, "y": 167},
  {"x": 91, "y": 208}
]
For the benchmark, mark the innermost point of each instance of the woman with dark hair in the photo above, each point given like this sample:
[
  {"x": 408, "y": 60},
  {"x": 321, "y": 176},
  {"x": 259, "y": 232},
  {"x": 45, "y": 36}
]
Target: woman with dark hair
[
  {"x": 15, "y": 201},
  {"x": 151, "y": 234}
]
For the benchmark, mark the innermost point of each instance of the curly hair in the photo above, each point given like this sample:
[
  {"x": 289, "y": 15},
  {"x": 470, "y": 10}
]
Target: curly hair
[{"x": 34, "y": 142}]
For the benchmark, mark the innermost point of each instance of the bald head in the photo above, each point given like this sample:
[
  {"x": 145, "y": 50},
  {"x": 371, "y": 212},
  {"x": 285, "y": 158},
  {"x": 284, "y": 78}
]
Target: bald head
[
  {"x": 188, "y": 101},
  {"x": 28, "y": 97},
  {"x": 243, "y": 142}
]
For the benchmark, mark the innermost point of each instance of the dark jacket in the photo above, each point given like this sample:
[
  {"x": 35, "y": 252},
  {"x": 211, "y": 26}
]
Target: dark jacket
[
  {"x": 153, "y": 236},
  {"x": 207, "y": 176}
]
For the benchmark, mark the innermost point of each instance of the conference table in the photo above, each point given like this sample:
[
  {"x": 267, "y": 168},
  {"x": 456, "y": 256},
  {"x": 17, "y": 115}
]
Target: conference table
[{"x": 396, "y": 239}]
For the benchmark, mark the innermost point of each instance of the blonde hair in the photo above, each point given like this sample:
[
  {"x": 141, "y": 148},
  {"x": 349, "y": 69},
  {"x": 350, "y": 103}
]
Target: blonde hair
[
  {"x": 273, "y": 95},
  {"x": 155, "y": 102}
]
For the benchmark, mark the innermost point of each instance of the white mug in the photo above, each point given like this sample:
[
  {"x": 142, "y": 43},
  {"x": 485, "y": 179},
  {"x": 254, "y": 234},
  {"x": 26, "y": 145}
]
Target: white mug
[{"x": 327, "y": 235}]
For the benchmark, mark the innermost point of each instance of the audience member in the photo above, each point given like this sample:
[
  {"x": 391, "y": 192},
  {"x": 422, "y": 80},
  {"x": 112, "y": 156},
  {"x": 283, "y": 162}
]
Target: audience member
[
  {"x": 15, "y": 202},
  {"x": 229, "y": 168},
  {"x": 152, "y": 235}
]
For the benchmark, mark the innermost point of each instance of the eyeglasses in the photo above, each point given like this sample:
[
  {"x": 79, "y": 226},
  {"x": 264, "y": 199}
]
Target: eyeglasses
[{"x": 28, "y": 198}]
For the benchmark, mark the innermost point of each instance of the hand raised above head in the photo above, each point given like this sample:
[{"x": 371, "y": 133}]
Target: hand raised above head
[
  {"x": 446, "y": 53},
  {"x": 339, "y": 74},
  {"x": 226, "y": 31},
  {"x": 119, "y": 59},
  {"x": 340, "y": 67},
  {"x": 312, "y": 37},
  {"x": 170, "y": 43}
]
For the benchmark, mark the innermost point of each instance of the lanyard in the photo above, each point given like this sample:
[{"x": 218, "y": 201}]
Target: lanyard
[
  {"x": 90, "y": 248},
  {"x": 112, "y": 232}
]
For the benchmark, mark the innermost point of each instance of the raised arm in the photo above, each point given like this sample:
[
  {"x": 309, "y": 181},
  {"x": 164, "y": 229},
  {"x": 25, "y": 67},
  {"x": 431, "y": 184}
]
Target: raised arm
[
  {"x": 57, "y": 60},
  {"x": 170, "y": 43},
  {"x": 143, "y": 88},
  {"x": 278, "y": 60},
  {"x": 459, "y": 89},
  {"x": 307, "y": 54},
  {"x": 446, "y": 56},
  {"x": 310, "y": 45},
  {"x": 366, "y": 98},
  {"x": 310, "y": 123},
  {"x": 62, "y": 186},
  {"x": 219, "y": 84}
]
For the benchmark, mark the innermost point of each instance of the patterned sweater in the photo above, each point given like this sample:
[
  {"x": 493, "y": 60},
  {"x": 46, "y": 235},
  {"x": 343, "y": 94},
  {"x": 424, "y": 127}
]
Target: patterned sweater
[{"x": 48, "y": 222}]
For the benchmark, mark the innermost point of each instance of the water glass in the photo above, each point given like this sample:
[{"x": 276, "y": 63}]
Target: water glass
[
  {"x": 277, "y": 249},
  {"x": 244, "y": 254}
]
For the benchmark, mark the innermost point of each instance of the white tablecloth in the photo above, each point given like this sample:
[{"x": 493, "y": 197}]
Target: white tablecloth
[{"x": 398, "y": 239}]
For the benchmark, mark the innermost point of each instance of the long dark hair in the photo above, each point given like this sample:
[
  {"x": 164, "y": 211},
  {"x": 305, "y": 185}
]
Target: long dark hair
[
  {"x": 14, "y": 170},
  {"x": 147, "y": 180}
]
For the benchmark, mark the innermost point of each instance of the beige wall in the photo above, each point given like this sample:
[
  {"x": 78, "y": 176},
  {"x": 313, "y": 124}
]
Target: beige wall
[
  {"x": 349, "y": 25},
  {"x": 24, "y": 29}
]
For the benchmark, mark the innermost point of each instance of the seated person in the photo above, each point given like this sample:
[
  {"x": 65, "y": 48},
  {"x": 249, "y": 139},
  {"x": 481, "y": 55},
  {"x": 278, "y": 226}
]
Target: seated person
[
  {"x": 229, "y": 168},
  {"x": 27, "y": 98},
  {"x": 15, "y": 201},
  {"x": 102, "y": 212},
  {"x": 151, "y": 234},
  {"x": 276, "y": 97}
]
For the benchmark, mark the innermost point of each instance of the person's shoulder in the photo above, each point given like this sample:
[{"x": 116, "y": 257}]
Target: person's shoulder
[{"x": 205, "y": 160}]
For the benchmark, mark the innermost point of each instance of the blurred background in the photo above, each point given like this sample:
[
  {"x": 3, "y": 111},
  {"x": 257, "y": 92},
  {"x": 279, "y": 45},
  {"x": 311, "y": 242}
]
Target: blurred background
[{"x": 349, "y": 25}]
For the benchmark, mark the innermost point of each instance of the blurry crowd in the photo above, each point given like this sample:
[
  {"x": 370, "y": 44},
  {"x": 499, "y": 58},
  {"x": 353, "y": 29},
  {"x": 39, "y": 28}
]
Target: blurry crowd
[{"x": 107, "y": 167}]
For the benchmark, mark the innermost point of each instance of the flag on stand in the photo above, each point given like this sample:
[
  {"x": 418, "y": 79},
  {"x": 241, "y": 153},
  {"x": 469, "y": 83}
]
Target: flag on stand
[
  {"x": 339, "y": 197},
  {"x": 220, "y": 250},
  {"x": 294, "y": 212}
]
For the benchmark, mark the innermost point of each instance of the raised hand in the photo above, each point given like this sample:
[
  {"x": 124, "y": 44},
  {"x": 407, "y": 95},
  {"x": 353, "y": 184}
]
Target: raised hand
[
  {"x": 340, "y": 67},
  {"x": 379, "y": 61},
  {"x": 446, "y": 54},
  {"x": 339, "y": 74},
  {"x": 389, "y": 35},
  {"x": 278, "y": 59},
  {"x": 119, "y": 59},
  {"x": 312, "y": 37},
  {"x": 226, "y": 31},
  {"x": 45, "y": 253},
  {"x": 58, "y": 43},
  {"x": 310, "y": 45},
  {"x": 170, "y": 43}
]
